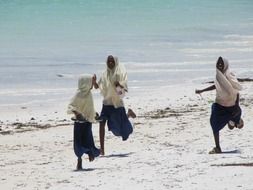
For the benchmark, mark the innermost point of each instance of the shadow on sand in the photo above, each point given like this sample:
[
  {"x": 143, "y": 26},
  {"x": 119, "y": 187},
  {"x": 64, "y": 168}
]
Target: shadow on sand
[
  {"x": 85, "y": 170},
  {"x": 231, "y": 152},
  {"x": 118, "y": 155},
  {"x": 90, "y": 169}
]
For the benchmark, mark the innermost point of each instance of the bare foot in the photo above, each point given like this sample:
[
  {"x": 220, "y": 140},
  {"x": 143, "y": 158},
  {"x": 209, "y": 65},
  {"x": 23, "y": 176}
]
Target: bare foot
[
  {"x": 131, "y": 113},
  {"x": 240, "y": 125},
  {"x": 102, "y": 152},
  {"x": 215, "y": 150},
  {"x": 91, "y": 157},
  {"x": 231, "y": 125}
]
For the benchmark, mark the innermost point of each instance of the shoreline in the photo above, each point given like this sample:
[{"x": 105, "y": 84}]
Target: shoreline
[{"x": 32, "y": 121}]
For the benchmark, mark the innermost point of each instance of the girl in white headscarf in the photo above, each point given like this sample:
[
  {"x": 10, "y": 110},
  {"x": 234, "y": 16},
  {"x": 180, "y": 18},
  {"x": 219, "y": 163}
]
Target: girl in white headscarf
[
  {"x": 82, "y": 106},
  {"x": 113, "y": 84},
  {"x": 226, "y": 109}
]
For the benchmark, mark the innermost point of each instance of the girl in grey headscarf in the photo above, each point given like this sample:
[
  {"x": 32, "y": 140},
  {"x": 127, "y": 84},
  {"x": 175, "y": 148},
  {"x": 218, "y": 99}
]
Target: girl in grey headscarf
[{"x": 226, "y": 109}]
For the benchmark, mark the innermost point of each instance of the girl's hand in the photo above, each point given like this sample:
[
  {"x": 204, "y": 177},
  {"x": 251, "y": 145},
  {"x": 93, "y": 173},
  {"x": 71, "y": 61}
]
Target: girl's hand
[
  {"x": 116, "y": 83},
  {"x": 94, "y": 79}
]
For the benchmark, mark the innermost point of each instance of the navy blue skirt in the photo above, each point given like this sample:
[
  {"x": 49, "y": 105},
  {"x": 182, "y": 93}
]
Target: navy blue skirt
[
  {"x": 83, "y": 140},
  {"x": 117, "y": 121},
  {"x": 221, "y": 115}
]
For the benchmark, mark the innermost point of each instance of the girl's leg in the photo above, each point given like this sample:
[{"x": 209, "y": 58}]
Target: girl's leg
[
  {"x": 79, "y": 164},
  {"x": 102, "y": 137},
  {"x": 217, "y": 148},
  {"x": 217, "y": 140},
  {"x": 91, "y": 157}
]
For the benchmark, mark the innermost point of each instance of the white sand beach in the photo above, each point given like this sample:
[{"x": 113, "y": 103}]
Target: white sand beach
[
  {"x": 169, "y": 49},
  {"x": 167, "y": 150}
]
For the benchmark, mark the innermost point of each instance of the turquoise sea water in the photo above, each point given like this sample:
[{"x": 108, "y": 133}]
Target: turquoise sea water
[{"x": 160, "y": 41}]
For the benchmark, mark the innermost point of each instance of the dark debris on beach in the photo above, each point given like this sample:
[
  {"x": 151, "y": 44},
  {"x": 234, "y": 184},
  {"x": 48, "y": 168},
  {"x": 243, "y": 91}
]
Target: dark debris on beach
[
  {"x": 172, "y": 112},
  {"x": 20, "y": 127}
]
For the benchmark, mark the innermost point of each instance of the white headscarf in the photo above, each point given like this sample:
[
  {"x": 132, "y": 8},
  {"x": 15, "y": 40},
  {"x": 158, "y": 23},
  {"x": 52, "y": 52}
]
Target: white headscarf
[
  {"x": 82, "y": 102},
  {"x": 227, "y": 86},
  {"x": 107, "y": 87}
]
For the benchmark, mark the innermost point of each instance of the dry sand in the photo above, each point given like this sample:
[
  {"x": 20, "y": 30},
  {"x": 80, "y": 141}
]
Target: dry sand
[{"x": 168, "y": 149}]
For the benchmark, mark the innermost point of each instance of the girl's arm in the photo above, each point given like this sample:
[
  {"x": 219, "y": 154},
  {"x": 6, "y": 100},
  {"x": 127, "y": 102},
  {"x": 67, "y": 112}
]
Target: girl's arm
[{"x": 205, "y": 89}]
